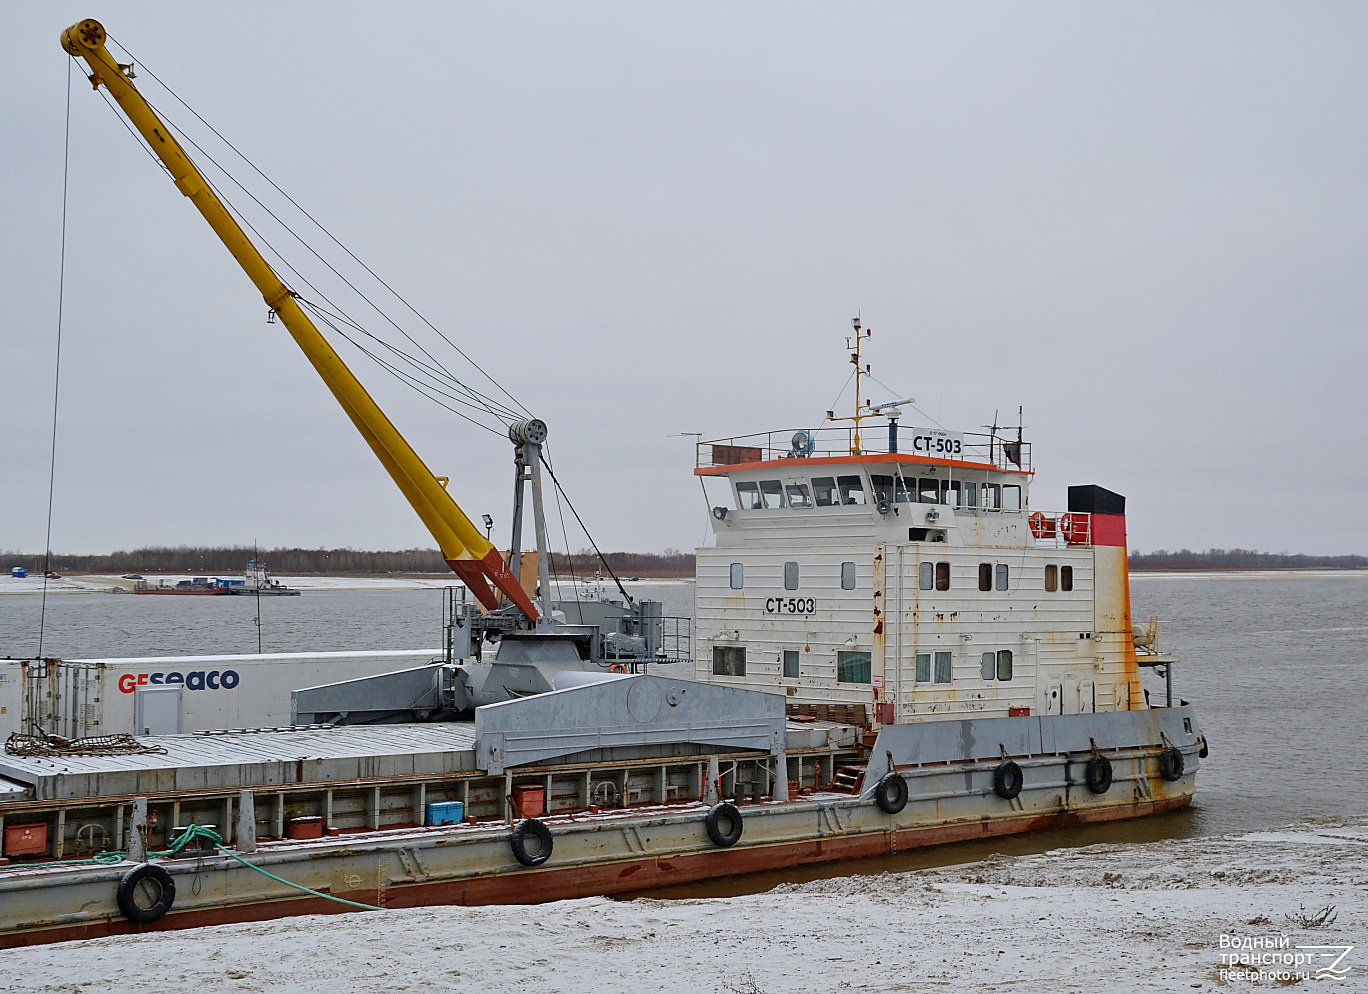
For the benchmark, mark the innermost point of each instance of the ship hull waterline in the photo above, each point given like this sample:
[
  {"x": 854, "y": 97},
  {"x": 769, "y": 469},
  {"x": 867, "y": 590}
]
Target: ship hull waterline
[{"x": 362, "y": 868}]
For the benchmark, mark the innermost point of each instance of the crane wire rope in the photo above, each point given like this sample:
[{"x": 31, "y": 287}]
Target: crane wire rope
[
  {"x": 502, "y": 389},
  {"x": 571, "y": 504},
  {"x": 57, "y": 367},
  {"x": 479, "y": 401}
]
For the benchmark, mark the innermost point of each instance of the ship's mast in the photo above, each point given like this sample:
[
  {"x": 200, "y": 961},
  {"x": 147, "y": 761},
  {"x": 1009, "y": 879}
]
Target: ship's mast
[{"x": 853, "y": 343}]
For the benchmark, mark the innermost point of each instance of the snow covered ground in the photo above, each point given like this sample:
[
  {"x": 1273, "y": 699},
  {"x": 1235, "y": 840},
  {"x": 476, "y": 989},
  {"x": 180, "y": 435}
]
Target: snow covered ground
[{"x": 1115, "y": 918}]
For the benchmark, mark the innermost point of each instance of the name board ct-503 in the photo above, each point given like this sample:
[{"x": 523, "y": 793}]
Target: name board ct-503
[
  {"x": 790, "y": 605},
  {"x": 194, "y": 680},
  {"x": 933, "y": 442}
]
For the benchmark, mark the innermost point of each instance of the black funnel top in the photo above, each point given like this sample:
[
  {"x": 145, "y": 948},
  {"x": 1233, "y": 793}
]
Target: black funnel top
[{"x": 1093, "y": 499}]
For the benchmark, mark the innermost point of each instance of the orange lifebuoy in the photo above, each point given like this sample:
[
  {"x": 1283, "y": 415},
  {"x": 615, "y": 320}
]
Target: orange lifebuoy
[
  {"x": 617, "y": 668},
  {"x": 1038, "y": 525},
  {"x": 1066, "y": 526}
]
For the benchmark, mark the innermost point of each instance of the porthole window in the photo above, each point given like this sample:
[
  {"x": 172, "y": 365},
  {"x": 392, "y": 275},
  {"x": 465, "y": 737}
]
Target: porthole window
[
  {"x": 1051, "y": 578},
  {"x": 738, "y": 576},
  {"x": 790, "y": 576},
  {"x": 1001, "y": 576},
  {"x": 985, "y": 576},
  {"x": 847, "y": 576},
  {"x": 926, "y": 576},
  {"x": 942, "y": 576},
  {"x": 1066, "y": 578},
  {"x": 1004, "y": 664}
]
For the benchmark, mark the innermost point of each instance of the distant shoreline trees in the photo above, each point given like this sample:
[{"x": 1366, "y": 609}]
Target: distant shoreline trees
[{"x": 670, "y": 564}]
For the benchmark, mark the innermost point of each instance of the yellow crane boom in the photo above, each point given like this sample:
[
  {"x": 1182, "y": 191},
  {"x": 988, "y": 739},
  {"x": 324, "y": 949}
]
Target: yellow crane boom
[{"x": 467, "y": 552}]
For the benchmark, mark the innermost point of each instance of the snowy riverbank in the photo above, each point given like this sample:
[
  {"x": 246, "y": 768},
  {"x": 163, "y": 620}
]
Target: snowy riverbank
[
  {"x": 1117, "y": 918},
  {"x": 95, "y": 584}
]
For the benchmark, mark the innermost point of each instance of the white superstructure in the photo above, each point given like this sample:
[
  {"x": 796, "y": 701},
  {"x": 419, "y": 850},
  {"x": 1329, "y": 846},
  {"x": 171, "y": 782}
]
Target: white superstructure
[{"x": 911, "y": 578}]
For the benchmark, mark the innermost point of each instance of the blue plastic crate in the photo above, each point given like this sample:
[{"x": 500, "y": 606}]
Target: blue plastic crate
[{"x": 445, "y": 812}]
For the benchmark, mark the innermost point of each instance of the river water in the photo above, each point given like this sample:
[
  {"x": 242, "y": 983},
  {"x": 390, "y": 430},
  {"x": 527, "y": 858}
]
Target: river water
[{"x": 1276, "y": 664}]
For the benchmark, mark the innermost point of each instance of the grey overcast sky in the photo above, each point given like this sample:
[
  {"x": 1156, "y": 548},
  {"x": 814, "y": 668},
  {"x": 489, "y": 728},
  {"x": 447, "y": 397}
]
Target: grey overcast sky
[{"x": 1145, "y": 223}]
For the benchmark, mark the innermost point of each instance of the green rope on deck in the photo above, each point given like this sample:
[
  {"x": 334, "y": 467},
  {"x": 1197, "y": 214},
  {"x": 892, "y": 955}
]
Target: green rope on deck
[
  {"x": 291, "y": 883},
  {"x": 191, "y": 834}
]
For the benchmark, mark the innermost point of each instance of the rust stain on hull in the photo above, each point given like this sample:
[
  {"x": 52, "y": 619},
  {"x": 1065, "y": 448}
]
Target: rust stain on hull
[{"x": 617, "y": 877}]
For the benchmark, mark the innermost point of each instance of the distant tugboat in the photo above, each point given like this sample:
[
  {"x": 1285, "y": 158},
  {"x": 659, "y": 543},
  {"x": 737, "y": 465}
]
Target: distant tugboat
[{"x": 256, "y": 581}]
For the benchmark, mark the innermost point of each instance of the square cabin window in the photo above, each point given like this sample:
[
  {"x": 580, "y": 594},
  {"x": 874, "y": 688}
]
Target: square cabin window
[
  {"x": 824, "y": 487},
  {"x": 1011, "y": 497},
  {"x": 991, "y": 495},
  {"x": 950, "y": 493},
  {"x": 883, "y": 487},
  {"x": 847, "y": 576},
  {"x": 970, "y": 494},
  {"x": 1004, "y": 664},
  {"x": 942, "y": 576},
  {"x": 923, "y": 667},
  {"x": 791, "y": 658},
  {"x": 985, "y": 576},
  {"x": 928, "y": 490},
  {"x": 790, "y": 576},
  {"x": 905, "y": 491},
  {"x": 852, "y": 489},
  {"x": 1066, "y": 578},
  {"x": 852, "y": 666},
  {"x": 748, "y": 496},
  {"x": 1051, "y": 578},
  {"x": 926, "y": 576},
  {"x": 1002, "y": 576},
  {"x": 772, "y": 494},
  {"x": 942, "y": 667},
  {"x": 798, "y": 495},
  {"x": 738, "y": 576},
  {"x": 989, "y": 665},
  {"x": 729, "y": 660}
]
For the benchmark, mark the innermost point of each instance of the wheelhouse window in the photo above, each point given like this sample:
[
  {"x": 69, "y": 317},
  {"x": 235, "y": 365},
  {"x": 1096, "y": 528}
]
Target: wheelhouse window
[
  {"x": 748, "y": 496},
  {"x": 991, "y": 495},
  {"x": 772, "y": 494},
  {"x": 851, "y": 488},
  {"x": 790, "y": 576},
  {"x": 1002, "y": 576},
  {"x": 985, "y": 576},
  {"x": 1011, "y": 497},
  {"x": 905, "y": 491},
  {"x": 847, "y": 576},
  {"x": 942, "y": 576},
  {"x": 1051, "y": 578},
  {"x": 1066, "y": 578},
  {"x": 824, "y": 488},
  {"x": 729, "y": 660},
  {"x": 853, "y": 666},
  {"x": 926, "y": 576},
  {"x": 738, "y": 576},
  {"x": 928, "y": 490},
  {"x": 950, "y": 493},
  {"x": 970, "y": 493},
  {"x": 791, "y": 658},
  {"x": 883, "y": 487},
  {"x": 798, "y": 495}
]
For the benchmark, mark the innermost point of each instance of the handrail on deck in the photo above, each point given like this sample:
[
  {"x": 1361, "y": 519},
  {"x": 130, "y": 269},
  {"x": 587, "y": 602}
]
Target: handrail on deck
[{"x": 835, "y": 442}]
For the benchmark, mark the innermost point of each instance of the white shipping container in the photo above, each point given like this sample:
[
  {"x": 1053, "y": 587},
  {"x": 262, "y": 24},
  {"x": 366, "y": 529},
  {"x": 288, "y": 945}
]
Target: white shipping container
[{"x": 166, "y": 695}]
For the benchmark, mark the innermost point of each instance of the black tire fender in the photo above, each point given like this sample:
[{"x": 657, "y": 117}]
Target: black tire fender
[
  {"x": 531, "y": 842},
  {"x": 890, "y": 793},
  {"x": 1099, "y": 774},
  {"x": 722, "y": 816},
  {"x": 1007, "y": 780},
  {"x": 145, "y": 893},
  {"x": 1204, "y": 750},
  {"x": 1171, "y": 764}
]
